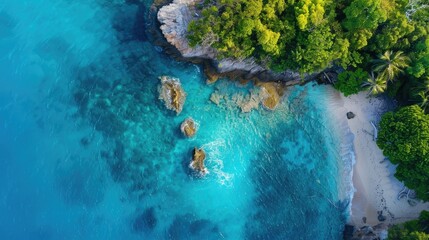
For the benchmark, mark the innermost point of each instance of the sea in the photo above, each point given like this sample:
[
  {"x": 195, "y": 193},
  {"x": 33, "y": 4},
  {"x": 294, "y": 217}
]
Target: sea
[{"x": 89, "y": 151}]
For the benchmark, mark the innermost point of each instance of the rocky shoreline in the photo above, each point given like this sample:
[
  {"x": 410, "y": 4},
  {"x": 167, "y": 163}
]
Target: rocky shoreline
[{"x": 172, "y": 22}]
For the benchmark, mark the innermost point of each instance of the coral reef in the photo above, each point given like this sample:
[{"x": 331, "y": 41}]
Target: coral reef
[
  {"x": 197, "y": 163},
  {"x": 189, "y": 127},
  {"x": 172, "y": 93}
]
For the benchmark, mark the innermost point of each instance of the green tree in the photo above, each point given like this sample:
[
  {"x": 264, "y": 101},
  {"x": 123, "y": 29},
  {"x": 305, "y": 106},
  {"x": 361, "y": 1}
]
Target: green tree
[
  {"x": 375, "y": 85},
  {"x": 412, "y": 230},
  {"x": 391, "y": 64},
  {"x": 424, "y": 100},
  {"x": 404, "y": 139},
  {"x": 350, "y": 82}
]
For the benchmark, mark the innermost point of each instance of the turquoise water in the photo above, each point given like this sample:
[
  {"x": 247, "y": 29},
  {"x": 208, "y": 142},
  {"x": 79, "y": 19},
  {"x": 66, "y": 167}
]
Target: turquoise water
[{"x": 88, "y": 151}]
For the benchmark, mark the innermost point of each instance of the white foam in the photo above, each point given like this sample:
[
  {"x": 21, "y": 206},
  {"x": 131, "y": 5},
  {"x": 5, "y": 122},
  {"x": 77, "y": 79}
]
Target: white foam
[{"x": 214, "y": 159}]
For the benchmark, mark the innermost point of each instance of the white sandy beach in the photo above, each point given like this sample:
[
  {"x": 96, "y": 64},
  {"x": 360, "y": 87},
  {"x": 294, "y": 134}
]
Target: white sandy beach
[{"x": 376, "y": 189}]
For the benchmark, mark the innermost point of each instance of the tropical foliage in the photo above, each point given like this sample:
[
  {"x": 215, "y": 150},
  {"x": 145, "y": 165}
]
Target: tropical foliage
[
  {"x": 390, "y": 64},
  {"x": 404, "y": 139},
  {"x": 350, "y": 82},
  {"x": 375, "y": 85},
  {"x": 412, "y": 230}
]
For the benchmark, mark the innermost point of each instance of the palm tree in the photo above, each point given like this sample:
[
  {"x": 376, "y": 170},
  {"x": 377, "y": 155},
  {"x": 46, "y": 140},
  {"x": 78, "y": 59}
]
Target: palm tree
[
  {"x": 391, "y": 64},
  {"x": 375, "y": 85},
  {"x": 424, "y": 102}
]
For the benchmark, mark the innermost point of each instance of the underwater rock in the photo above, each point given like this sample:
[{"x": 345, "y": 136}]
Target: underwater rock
[
  {"x": 172, "y": 93},
  {"x": 197, "y": 163},
  {"x": 350, "y": 115},
  {"x": 216, "y": 97},
  {"x": 188, "y": 227},
  {"x": 145, "y": 221},
  {"x": 189, "y": 127}
]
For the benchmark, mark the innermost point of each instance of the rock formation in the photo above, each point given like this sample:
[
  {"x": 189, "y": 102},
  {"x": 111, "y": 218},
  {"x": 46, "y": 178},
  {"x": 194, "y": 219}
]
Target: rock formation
[
  {"x": 174, "y": 19},
  {"x": 189, "y": 127},
  {"x": 350, "y": 115},
  {"x": 197, "y": 163},
  {"x": 271, "y": 95},
  {"x": 172, "y": 93}
]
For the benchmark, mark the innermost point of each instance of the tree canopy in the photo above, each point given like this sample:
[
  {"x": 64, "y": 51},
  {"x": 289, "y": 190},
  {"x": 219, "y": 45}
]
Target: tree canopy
[
  {"x": 412, "y": 230},
  {"x": 404, "y": 139}
]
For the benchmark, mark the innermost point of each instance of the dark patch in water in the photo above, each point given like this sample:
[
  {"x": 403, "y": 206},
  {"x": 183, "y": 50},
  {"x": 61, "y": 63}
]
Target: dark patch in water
[
  {"x": 145, "y": 221},
  {"x": 80, "y": 183},
  {"x": 7, "y": 25},
  {"x": 129, "y": 22},
  {"x": 54, "y": 48},
  {"x": 187, "y": 227}
]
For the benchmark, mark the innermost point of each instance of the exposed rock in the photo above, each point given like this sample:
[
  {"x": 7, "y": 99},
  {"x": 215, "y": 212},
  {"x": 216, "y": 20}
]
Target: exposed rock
[
  {"x": 350, "y": 115},
  {"x": 174, "y": 19},
  {"x": 172, "y": 93},
  {"x": 271, "y": 95},
  {"x": 197, "y": 163},
  {"x": 189, "y": 127},
  {"x": 381, "y": 217},
  {"x": 366, "y": 232},
  {"x": 212, "y": 75}
]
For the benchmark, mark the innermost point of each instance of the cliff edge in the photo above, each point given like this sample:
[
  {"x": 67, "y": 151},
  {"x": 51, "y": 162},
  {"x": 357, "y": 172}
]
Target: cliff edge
[{"x": 174, "y": 19}]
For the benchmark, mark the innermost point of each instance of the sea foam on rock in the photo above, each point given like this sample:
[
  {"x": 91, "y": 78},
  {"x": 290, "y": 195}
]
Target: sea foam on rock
[
  {"x": 174, "y": 19},
  {"x": 197, "y": 163},
  {"x": 172, "y": 93},
  {"x": 189, "y": 127}
]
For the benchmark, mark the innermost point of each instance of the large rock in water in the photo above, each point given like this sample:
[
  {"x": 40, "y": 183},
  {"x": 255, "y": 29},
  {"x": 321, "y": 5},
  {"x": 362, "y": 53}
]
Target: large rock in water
[
  {"x": 172, "y": 93},
  {"x": 197, "y": 163},
  {"x": 189, "y": 127}
]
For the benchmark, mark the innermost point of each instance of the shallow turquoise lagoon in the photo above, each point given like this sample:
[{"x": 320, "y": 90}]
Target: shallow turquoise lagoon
[{"x": 88, "y": 151}]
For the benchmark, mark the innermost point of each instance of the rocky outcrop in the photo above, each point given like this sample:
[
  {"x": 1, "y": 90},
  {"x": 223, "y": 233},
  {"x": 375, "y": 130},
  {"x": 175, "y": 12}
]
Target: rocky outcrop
[
  {"x": 172, "y": 93},
  {"x": 271, "y": 94},
  {"x": 350, "y": 115},
  {"x": 189, "y": 127},
  {"x": 376, "y": 232},
  {"x": 197, "y": 163},
  {"x": 174, "y": 19}
]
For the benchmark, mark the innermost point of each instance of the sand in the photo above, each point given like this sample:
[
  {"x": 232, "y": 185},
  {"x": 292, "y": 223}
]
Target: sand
[{"x": 376, "y": 188}]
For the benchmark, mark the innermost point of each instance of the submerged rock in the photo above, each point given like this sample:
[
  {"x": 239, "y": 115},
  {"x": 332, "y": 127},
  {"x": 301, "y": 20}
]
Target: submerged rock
[
  {"x": 145, "y": 221},
  {"x": 172, "y": 93},
  {"x": 197, "y": 163},
  {"x": 189, "y": 127}
]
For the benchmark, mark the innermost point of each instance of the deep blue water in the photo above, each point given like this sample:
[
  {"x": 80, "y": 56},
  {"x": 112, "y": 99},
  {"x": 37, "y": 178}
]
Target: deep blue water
[{"x": 88, "y": 151}]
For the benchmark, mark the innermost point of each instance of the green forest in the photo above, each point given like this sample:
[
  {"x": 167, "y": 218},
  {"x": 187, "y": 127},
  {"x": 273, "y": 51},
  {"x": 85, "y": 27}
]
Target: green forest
[{"x": 380, "y": 46}]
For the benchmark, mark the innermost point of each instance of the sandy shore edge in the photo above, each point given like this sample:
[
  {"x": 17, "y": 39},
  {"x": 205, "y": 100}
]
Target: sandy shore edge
[{"x": 375, "y": 187}]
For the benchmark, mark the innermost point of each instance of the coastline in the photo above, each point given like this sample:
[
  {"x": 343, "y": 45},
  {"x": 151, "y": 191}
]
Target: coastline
[
  {"x": 367, "y": 180},
  {"x": 172, "y": 23},
  {"x": 375, "y": 187}
]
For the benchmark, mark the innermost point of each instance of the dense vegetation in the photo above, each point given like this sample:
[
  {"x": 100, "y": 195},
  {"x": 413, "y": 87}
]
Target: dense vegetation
[
  {"x": 382, "y": 46},
  {"x": 412, "y": 230},
  {"x": 387, "y": 37},
  {"x": 404, "y": 138}
]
